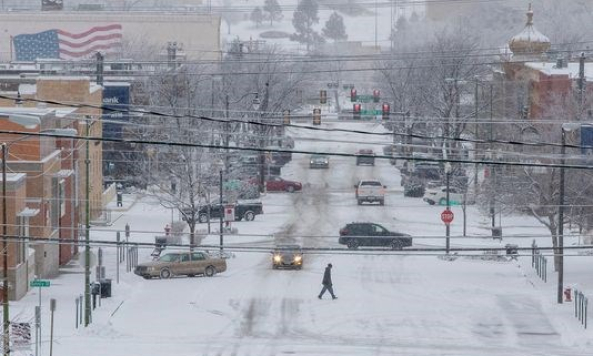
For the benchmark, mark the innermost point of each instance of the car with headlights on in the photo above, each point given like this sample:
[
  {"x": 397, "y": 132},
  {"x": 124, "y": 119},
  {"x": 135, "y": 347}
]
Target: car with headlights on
[
  {"x": 287, "y": 256},
  {"x": 183, "y": 263},
  {"x": 319, "y": 161}
]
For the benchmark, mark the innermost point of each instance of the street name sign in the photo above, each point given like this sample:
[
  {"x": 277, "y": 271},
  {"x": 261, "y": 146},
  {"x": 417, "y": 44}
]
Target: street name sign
[{"x": 39, "y": 283}]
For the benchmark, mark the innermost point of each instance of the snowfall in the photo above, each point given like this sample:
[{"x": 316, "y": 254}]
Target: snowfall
[{"x": 389, "y": 303}]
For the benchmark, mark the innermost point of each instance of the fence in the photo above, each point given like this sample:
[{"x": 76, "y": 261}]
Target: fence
[
  {"x": 580, "y": 307},
  {"x": 539, "y": 262}
]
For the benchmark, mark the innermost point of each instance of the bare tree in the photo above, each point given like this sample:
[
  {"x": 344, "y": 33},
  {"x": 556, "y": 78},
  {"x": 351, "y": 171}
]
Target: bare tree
[{"x": 180, "y": 175}]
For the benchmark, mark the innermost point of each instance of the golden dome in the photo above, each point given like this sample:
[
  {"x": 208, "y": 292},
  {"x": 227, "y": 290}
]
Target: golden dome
[{"x": 529, "y": 41}]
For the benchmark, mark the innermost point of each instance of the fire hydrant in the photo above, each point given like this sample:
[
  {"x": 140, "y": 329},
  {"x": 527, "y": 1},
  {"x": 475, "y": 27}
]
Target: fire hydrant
[{"x": 568, "y": 295}]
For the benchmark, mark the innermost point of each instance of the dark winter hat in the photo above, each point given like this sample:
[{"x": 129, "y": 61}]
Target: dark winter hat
[{"x": 329, "y": 265}]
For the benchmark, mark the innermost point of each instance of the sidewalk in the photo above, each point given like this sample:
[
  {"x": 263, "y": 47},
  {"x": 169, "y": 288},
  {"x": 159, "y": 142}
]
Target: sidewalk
[{"x": 128, "y": 201}]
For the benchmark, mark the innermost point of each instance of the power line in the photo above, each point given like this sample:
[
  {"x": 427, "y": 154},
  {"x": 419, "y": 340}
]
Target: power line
[
  {"x": 263, "y": 124},
  {"x": 259, "y": 248}
]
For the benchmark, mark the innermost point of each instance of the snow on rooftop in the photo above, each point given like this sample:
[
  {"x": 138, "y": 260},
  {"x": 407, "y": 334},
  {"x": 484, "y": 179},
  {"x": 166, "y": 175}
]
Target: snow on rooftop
[
  {"x": 571, "y": 69},
  {"x": 58, "y": 112}
]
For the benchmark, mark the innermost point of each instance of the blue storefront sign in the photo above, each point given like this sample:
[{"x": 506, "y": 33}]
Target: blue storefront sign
[
  {"x": 587, "y": 140},
  {"x": 116, "y": 103}
]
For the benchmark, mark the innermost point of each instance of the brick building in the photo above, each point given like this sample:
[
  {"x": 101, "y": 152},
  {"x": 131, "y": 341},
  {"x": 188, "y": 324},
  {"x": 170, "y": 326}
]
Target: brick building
[{"x": 52, "y": 171}]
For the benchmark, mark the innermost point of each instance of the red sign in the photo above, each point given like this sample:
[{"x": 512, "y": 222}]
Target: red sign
[
  {"x": 229, "y": 213},
  {"x": 447, "y": 216}
]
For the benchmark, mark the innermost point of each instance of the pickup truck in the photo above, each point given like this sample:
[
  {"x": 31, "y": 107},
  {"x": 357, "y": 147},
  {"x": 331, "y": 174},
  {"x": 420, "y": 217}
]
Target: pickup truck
[
  {"x": 244, "y": 209},
  {"x": 368, "y": 190}
]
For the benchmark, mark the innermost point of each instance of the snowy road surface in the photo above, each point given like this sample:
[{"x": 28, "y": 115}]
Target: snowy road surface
[{"x": 389, "y": 304}]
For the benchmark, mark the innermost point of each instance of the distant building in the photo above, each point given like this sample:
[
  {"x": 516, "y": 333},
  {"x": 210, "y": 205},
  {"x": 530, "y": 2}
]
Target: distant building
[
  {"x": 544, "y": 86},
  {"x": 448, "y": 10},
  {"x": 55, "y": 34}
]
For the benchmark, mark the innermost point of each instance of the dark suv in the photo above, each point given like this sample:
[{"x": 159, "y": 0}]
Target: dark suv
[{"x": 358, "y": 234}]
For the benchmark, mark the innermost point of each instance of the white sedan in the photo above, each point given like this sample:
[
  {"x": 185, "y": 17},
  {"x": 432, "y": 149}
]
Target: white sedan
[{"x": 439, "y": 196}]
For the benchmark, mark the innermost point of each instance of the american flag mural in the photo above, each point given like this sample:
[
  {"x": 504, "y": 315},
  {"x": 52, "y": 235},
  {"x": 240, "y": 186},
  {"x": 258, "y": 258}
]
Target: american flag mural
[{"x": 67, "y": 45}]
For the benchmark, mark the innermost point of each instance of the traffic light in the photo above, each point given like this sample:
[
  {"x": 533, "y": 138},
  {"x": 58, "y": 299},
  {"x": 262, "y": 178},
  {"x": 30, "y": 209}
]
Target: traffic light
[
  {"x": 286, "y": 117},
  {"x": 376, "y": 96},
  {"x": 353, "y": 95},
  {"x": 316, "y": 116},
  {"x": 356, "y": 111},
  {"x": 385, "y": 110},
  {"x": 323, "y": 96}
]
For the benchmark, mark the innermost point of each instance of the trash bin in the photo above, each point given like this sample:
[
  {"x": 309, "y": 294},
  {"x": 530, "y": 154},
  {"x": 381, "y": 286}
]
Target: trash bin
[
  {"x": 105, "y": 288},
  {"x": 95, "y": 288},
  {"x": 497, "y": 232},
  {"x": 511, "y": 249}
]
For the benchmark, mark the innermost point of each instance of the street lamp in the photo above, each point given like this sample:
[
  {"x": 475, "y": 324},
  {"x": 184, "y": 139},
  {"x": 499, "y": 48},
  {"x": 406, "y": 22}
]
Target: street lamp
[
  {"x": 222, "y": 211},
  {"x": 27, "y": 121},
  {"x": 447, "y": 226},
  {"x": 566, "y": 127},
  {"x": 256, "y": 104},
  {"x": 227, "y": 124}
]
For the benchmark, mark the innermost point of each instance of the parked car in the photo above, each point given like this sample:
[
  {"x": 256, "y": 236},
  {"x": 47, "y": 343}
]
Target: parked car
[
  {"x": 277, "y": 157},
  {"x": 181, "y": 263},
  {"x": 287, "y": 256},
  {"x": 278, "y": 184},
  {"x": 391, "y": 150},
  {"x": 244, "y": 209},
  {"x": 319, "y": 161},
  {"x": 365, "y": 156},
  {"x": 457, "y": 196},
  {"x": 428, "y": 174},
  {"x": 358, "y": 234},
  {"x": 369, "y": 190},
  {"x": 414, "y": 189}
]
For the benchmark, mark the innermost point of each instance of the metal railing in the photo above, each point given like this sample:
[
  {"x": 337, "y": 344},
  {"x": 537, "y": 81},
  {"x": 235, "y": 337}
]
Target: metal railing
[
  {"x": 580, "y": 307},
  {"x": 539, "y": 262}
]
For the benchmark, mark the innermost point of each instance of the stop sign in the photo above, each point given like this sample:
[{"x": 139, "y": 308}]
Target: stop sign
[{"x": 447, "y": 216}]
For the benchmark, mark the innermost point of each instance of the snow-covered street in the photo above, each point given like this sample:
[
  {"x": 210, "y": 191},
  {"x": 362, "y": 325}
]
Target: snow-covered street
[{"x": 389, "y": 303}]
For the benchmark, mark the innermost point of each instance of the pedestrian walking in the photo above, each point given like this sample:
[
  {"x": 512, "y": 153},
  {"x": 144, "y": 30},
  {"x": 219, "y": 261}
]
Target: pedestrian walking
[{"x": 327, "y": 282}]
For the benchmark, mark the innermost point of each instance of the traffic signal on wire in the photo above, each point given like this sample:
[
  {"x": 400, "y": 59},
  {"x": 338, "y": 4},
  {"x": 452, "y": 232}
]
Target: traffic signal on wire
[
  {"x": 316, "y": 116},
  {"x": 385, "y": 110},
  {"x": 356, "y": 111},
  {"x": 376, "y": 96},
  {"x": 353, "y": 95},
  {"x": 323, "y": 96}
]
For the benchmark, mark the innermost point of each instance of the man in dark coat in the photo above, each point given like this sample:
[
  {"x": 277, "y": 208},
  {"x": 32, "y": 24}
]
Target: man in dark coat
[{"x": 327, "y": 282}]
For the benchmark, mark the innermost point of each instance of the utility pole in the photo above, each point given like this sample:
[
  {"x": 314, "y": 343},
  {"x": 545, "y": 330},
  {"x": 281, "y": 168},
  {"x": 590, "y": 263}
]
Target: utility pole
[
  {"x": 561, "y": 220},
  {"x": 5, "y": 307},
  {"x": 581, "y": 85},
  {"x": 222, "y": 211},
  {"x": 99, "y": 57},
  {"x": 448, "y": 226},
  {"x": 476, "y": 133},
  {"x": 492, "y": 167},
  {"x": 376, "y": 26},
  {"x": 227, "y": 129},
  {"x": 87, "y": 247},
  {"x": 262, "y": 156}
]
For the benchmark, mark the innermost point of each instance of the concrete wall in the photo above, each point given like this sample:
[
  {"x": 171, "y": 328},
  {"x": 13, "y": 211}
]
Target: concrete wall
[
  {"x": 199, "y": 35},
  {"x": 47, "y": 259},
  {"x": 19, "y": 280}
]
